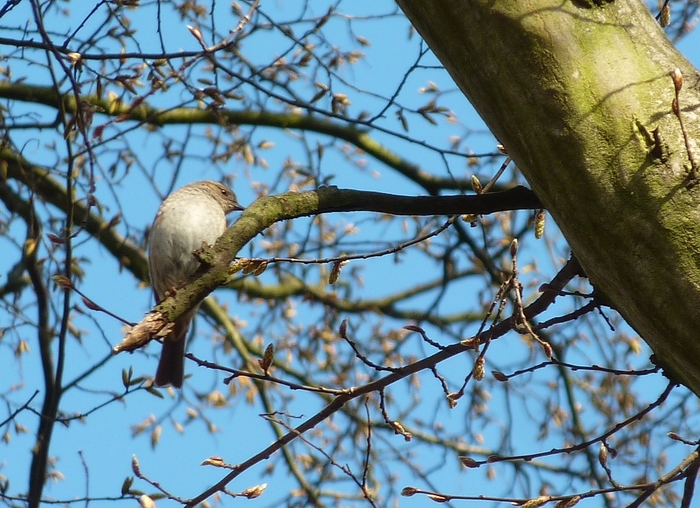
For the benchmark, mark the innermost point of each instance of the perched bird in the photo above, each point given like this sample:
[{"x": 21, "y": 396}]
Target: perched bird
[{"x": 191, "y": 215}]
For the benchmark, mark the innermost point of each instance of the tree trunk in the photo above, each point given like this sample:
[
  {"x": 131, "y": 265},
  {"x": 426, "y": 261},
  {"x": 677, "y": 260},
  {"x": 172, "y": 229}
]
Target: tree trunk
[{"x": 575, "y": 92}]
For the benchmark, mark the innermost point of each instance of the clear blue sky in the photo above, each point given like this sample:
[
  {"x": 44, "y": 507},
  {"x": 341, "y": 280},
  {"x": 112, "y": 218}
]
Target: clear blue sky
[{"x": 105, "y": 440}]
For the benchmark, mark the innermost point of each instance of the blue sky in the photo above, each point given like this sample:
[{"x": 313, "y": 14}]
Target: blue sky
[{"x": 105, "y": 440}]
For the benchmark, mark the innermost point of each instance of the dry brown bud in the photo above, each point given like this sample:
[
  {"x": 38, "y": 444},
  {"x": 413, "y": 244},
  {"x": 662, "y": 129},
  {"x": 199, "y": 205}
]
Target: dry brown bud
[
  {"x": 476, "y": 185},
  {"x": 479, "y": 370},
  {"x": 469, "y": 462},
  {"x": 249, "y": 266},
  {"x": 55, "y": 239},
  {"x": 90, "y": 304},
  {"x": 196, "y": 33},
  {"x": 62, "y": 281},
  {"x": 155, "y": 435},
  {"x": 146, "y": 502},
  {"x": 255, "y": 491},
  {"x": 568, "y": 503},
  {"x": 665, "y": 16},
  {"x": 398, "y": 429},
  {"x": 514, "y": 247},
  {"x": 267, "y": 358},
  {"x": 126, "y": 485},
  {"x": 73, "y": 58},
  {"x": 335, "y": 271},
  {"x": 539, "y": 224},
  {"x": 548, "y": 352},
  {"x": 677, "y": 77},
  {"x": 452, "y": 398},
  {"x": 539, "y": 501},
  {"x": 262, "y": 266},
  {"x": 135, "y": 466},
  {"x": 126, "y": 376},
  {"x": 214, "y": 461},
  {"x": 470, "y": 343},
  {"x": 603, "y": 455},
  {"x": 470, "y": 219},
  {"x": 408, "y": 491}
]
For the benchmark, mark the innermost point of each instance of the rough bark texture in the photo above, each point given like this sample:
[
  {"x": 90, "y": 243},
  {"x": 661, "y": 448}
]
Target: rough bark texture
[{"x": 575, "y": 92}]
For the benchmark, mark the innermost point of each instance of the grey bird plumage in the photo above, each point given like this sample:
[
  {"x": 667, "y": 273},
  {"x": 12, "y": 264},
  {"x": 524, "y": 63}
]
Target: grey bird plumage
[{"x": 191, "y": 215}]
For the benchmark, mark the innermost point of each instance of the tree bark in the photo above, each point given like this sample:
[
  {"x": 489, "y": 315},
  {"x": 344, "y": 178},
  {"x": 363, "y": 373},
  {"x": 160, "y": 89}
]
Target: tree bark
[{"x": 580, "y": 95}]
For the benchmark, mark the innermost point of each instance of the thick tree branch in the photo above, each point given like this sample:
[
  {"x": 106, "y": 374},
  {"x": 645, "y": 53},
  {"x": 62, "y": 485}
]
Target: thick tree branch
[
  {"x": 259, "y": 216},
  {"x": 268, "y": 210},
  {"x": 581, "y": 98},
  {"x": 145, "y": 113}
]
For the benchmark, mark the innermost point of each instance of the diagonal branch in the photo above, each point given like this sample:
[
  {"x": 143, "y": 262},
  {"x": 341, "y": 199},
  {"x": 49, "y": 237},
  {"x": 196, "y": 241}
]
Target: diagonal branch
[
  {"x": 268, "y": 210},
  {"x": 569, "y": 271}
]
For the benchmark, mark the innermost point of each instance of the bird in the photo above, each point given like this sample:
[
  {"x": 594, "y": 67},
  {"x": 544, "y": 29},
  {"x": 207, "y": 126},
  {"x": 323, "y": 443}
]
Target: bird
[{"x": 191, "y": 215}]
